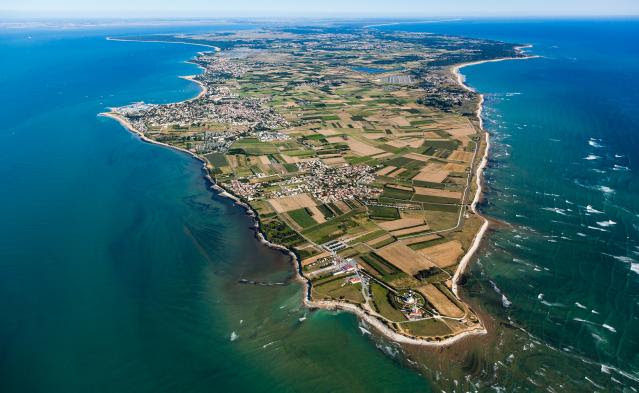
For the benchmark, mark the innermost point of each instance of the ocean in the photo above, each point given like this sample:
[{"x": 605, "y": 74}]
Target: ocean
[{"x": 120, "y": 267}]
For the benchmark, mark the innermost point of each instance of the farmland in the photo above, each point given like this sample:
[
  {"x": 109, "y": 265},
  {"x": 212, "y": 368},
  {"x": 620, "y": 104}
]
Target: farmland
[{"x": 352, "y": 170}]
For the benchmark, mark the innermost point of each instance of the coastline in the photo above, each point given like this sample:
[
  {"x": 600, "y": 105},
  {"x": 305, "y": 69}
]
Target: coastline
[
  {"x": 360, "y": 312},
  {"x": 455, "y": 70},
  {"x": 217, "y": 49}
]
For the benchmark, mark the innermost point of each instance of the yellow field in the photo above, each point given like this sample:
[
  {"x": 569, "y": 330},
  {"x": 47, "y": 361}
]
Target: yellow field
[
  {"x": 419, "y": 239},
  {"x": 444, "y": 254},
  {"x": 440, "y": 301},
  {"x": 386, "y": 170},
  {"x": 362, "y": 149},
  {"x": 401, "y": 223},
  {"x": 460, "y": 155},
  {"x": 317, "y": 214},
  {"x": 434, "y": 173},
  {"x": 289, "y": 203},
  {"x": 314, "y": 258},
  {"x": 404, "y": 258},
  {"x": 438, "y": 193},
  {"x": 418, "y": 157}
]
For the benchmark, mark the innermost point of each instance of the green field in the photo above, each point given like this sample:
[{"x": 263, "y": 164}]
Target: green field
[
  {"x": 395, "y": 193},
  {"x": 428, "y": 327},
  {"x": 252, "y": 146},
  {"x": 336, "y": 289},
  {"x": 217, "y": 159},
  {"x": 383, "y": 212},
  {"x": 302, "y": 217},
  {"x": 383, "y": 305}
]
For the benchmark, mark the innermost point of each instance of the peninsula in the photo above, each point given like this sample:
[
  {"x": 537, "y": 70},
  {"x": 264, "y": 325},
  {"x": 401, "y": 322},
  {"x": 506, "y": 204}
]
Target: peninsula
[{"x": 358, "y": 150}]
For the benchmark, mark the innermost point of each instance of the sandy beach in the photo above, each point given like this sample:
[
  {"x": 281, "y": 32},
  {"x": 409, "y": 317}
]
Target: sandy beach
[{"x": 455, "y": 70}]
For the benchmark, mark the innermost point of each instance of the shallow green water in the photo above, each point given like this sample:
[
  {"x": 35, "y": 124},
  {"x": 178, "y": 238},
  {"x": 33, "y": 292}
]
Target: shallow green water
[{"x": 119, "y": 267}]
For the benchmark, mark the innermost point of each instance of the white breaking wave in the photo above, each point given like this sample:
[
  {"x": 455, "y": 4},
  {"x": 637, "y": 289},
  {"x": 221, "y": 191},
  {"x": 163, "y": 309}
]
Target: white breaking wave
[
  {"x": 556, "y": 210},
  {"x": 504, "y": 300},
  {"x": 234, "y": 336},
  {"x": 605, "y": 189},
  {"x": 269, "y": 344},
  {"x": 580, "y": 305},
  {"x": 634, "y": 265},
  {"x": 593, "y": 142},
  {"x": 591, "y": 157},
  {"x": 612, "y": 329},
  {"x": 590, "y": 209},
  {"x": 364, "y": 331},
  {"x": 606, "y": 223}
]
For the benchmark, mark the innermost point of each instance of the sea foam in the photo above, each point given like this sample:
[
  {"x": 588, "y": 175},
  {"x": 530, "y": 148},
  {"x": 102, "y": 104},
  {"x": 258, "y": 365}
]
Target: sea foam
[{"x": 590, "y": 209}]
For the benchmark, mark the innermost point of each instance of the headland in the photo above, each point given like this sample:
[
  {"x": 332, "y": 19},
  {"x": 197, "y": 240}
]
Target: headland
[{"x": 360, "y": 154}]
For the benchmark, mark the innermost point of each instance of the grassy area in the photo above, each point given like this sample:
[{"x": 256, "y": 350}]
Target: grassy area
[
  {"x": 217, "y": 159},
  {"x": 328, "y": 213},
  {"x": 441, "y": 208},
  {"x": 332, "y": 229},
  {"x": 428, "y": 243},
  {"x": 428, "y": 328},
  {"x": 396, "y": 193},
  {"x": 380, "y": 264},
  {"x": 383, "y": 212},
  {"x": 383, "y": 242},
  {"x": 302, "y": 217},
  {"x": 337, "y": 289},
  {"x": 370, "y": 236},
  {"x": 278, "y": 232},
  {"x": 252, "y": 146},
  {"x": 383, "y": 304}
]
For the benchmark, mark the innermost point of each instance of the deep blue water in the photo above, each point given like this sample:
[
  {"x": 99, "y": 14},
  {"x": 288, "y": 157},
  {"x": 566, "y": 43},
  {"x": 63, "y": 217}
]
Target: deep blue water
[{"x": 564, "y": 175}]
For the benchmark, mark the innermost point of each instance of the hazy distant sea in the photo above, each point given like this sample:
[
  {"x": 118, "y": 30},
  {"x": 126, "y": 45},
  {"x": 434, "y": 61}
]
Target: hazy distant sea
[{"x": 119, "y": 268}]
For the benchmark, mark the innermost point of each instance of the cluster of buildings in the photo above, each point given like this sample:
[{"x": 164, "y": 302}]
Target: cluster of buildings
[
  {"x": 270, "y": 136},
  {"x": 247, "y": 191},
  {"x": 324, "y": 183},
  {"x": 216, "y": 141},
  {"x": 217, "y": 67},
  {"x": 329, "y": 184},
  {"x": 217, "y": 105},
  {"x": 334, "y": 266}
]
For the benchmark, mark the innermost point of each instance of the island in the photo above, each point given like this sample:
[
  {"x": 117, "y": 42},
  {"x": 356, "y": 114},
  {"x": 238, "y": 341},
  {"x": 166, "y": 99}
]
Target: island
[{"x": 359, "y": 151}]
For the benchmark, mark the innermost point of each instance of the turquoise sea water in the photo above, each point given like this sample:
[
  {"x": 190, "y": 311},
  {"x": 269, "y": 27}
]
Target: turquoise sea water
[{"x": 119, "y": 268}]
